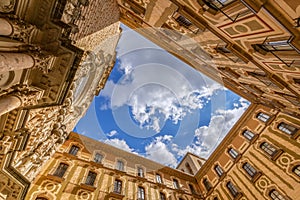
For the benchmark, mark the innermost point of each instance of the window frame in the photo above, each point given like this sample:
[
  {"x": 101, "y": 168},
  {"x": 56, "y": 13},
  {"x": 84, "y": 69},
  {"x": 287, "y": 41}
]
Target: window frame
[
  {"x": 286, "y": 128},
  {"x": 141, "y": 193},
  {"x": 61, "y": 170},
  {"x": 90, "y": 179},
  {"x": 249, "y": 135},
  {"x": 263, "y": 117},
  {"x": 74, "y": 150},
  {"x": 162, "y": 196},
  {"x": 158, "y": 178},
  {"x": 98, "y": 157},
  {"x": 275, "y": 195},
  {"x": 218, "y": 169},
  {"x": 268, "y": 148},
  {"x": 232, "y": 189},
  {"x": 140, "y": 172},
  {"x": 233, "y": 153},
  {"x": 296, "y": 170},
  {"x": 117, "y": 186},
  {"x": 176, "y": 184},
  {"x": 120, "y": 165},
  {"x": 249, "y": 169},
  {"x": 207, "y": 184}
]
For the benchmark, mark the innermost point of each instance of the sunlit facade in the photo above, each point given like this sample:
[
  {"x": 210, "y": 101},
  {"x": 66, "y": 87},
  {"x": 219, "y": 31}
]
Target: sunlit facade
[{"x": 48, "y": 78}]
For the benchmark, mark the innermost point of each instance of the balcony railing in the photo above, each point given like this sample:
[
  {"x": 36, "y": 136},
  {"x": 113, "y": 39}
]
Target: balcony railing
[
  {"x": 276, "y": 45},
  {"x": 218, "y": 5}
]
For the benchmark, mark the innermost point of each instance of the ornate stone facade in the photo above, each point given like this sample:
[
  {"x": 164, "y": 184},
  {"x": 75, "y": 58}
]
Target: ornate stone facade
[
  {"x": 103, "y": 161},
  {"x": 49, "y": 48},
  {"x": 45, "y": 70}
]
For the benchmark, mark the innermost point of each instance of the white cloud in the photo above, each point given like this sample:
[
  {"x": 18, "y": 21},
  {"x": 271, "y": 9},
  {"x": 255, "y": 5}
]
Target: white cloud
[
  {"x": 209, "y": 137},
  {"x": 112, "y": 133},
  {"x": 158, "y": 151},
  {"x": 121, "y": 144}
]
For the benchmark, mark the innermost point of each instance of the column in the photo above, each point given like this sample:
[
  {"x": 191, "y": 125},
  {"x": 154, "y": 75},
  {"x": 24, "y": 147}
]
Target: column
[
  {"x": 9, "y": 103},
  {"x": 15, "y": 61},
  {"x": 6, "y": 27}
]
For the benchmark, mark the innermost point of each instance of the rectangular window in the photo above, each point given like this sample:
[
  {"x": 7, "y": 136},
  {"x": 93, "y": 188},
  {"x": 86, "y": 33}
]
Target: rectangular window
[
  {"x": 140, "y": 172},
  {"x": 118, "y": 186},
  {"x": 248, "y": 135},
  {"x": 275, "y": 195},
  {"x": 74, "y": 150},
  {"x": 98, "y": 158},
  {"x": 158, "y": 178},
  {"x": 61, "y": 170},
  {"x": 233, "y": 153},
  {"x": 263, "y": 117},
  {"x": 183, "y": 21},
  {"x": 249, "y": 169},
  {"x": 207, "y": 184},
  {"x": 268, "y": 148},
  {"x": 232, "y": 189},
  {"x": 287, "y": 128},
  {"x": 162, "y": 196},
  {"x": 296, "y": 170},
  {"x": 176, "y": 183},
  {"x": 219, "y": 170},
  {"x": 141, "y": 193},
  {"x": 120, "y": 165},
  {"x": 91, "y": 178},
  {"x": 192, "y": 189}
]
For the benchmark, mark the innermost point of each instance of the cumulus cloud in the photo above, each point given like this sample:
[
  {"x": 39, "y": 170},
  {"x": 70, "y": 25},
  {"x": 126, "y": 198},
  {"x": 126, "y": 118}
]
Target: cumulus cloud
[
  {"x": 158, "y": 151},
  {"x": 121, "y": 144},
  {"x": 207, "y": 138}
]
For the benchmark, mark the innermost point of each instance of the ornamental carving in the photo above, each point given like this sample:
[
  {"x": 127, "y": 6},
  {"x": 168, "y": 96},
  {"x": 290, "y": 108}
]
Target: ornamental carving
[
  {"x": 21, "y": 30},
  {"x": 7, "y": 6},
  {"x": 8, "y": 187}
]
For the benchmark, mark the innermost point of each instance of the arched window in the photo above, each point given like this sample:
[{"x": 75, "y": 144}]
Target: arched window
[
  {"x": 287, "y": 128},
  {"x": 98, "y": 158},
  {"x": 219, "y": 170},
  {"x": 232, "y": 189},
  {"x": 275, "y": 195},
  {"x": 263, "y": 117},
  {"x": 118, "y": 186},
  {"x": 233, "y": 153},
  {"x": 249, "y": 169},
  {"x": 207, "y": 184},
  {"x": 120, "y": 165},
  {"x": 296, "y": 170},
  {"x": 61, "y": 170},
  {"x": 90, "y": 179},
  {"x": 248, "y": 135},
  {"x": 141, "y": 193},
  {"x": 268, "y": 148},
  {"x": 74, "y": 150}
]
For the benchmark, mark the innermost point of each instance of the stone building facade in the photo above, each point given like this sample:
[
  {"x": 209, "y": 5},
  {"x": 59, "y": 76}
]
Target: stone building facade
[
  {"x": 258, "y": 159},
  {"x": 52, "y": 65},
  {"x": 50, "y": 71},
  {"x": 83, "y": 168}
]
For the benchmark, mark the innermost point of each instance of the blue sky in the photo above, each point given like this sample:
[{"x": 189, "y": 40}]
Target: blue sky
[{"x": 156, "y": 106}]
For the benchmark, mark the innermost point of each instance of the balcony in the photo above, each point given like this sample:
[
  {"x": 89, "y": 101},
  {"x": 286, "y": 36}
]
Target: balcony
[{"x": 277, "y": 47}]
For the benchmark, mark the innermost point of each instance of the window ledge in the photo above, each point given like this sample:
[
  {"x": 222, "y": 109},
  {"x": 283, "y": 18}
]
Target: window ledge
[
  {"x": 55, "y": 178},
  {"x": 276, "y": 154},
  {"x": 88, "y": 187},
  {"x": 256, "y": 177}
]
